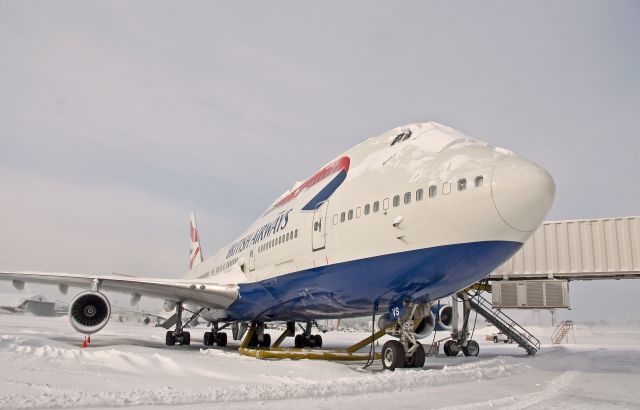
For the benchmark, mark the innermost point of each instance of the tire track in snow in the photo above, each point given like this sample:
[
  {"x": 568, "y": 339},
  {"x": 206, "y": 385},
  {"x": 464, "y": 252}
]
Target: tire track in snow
[
  {"x": 554, "y": 388},
  {"x": 359, "y": 383}
]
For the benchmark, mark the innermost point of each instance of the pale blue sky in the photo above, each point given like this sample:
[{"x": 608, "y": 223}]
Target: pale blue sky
[{"x": 118, "y": 118}]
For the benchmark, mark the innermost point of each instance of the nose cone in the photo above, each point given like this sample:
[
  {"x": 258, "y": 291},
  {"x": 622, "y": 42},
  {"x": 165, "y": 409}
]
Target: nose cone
[{"x": 522, "y": 193}]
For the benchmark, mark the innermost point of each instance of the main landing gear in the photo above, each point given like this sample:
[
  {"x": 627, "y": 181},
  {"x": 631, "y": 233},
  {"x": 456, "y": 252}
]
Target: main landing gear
[
  {"x": 406, "y": 352},
  {"x": 259, "y": 338},
  {"x": 178, "y": 336},
  {"x": 306, "y": 339},
  {"x": 215, "y": 336}
]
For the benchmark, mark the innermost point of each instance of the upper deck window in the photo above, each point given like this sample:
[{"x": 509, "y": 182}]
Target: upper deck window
[
  {"x": 419, "y": 194},
  {"x": 407, "y": 198},
  {"x": 396, "y": 200},
  {"x": 479, "y": 181},
  {"x": 462, "y": 184},
  {"x": 367, "y": 209},
  {"x": 376, "y": 206},
  {"x": 433, "y": 191}
]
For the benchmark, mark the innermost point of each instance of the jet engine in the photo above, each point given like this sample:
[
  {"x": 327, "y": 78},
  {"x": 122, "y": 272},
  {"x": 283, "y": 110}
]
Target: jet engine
[
  {"x": 89, "y": 311},
  {"x": 423, "y": 317},
  {"x": 425, "y": 327},
  {"x": 443, "y": 316}
]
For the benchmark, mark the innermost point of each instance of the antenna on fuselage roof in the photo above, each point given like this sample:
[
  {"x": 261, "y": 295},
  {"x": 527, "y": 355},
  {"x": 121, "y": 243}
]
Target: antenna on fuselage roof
[{"x": 195, "y": 255}]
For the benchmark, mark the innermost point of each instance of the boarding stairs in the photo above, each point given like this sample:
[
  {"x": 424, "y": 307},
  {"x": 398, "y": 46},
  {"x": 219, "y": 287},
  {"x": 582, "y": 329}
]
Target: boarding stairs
[
  {"x": 562, "y": 332},
  {"x": 505, "y": 324}
]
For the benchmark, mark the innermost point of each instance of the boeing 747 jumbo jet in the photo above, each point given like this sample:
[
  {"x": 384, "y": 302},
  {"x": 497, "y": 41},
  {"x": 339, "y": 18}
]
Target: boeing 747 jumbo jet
[{"x": 391, "y": 225}]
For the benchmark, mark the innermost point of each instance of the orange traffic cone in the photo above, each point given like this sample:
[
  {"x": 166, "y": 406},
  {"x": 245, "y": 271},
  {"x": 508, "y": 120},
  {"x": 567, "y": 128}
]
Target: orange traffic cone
[
  {"x": 88, "y": 339},
  {"x": 84, "y": 342}
]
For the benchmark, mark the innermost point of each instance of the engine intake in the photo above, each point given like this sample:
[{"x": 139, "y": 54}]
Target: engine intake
[
  {"x": 89, "y": 312},
  {"x": 444, "y": 316}
]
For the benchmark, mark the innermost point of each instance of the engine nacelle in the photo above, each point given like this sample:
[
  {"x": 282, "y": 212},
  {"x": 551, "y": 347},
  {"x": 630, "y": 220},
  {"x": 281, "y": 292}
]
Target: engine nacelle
[
  {"x": 89, "y": 312},
  {"x": 443, "y": 316},
  {"x": 425, "y": 327}
]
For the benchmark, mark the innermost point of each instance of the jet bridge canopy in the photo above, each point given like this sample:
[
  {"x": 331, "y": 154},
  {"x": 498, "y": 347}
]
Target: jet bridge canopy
[{"x": 578, "y": 250}]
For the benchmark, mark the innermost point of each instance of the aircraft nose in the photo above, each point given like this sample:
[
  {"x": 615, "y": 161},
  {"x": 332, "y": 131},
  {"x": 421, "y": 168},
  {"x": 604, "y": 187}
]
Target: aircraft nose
[{"x": 522, "y": 193}]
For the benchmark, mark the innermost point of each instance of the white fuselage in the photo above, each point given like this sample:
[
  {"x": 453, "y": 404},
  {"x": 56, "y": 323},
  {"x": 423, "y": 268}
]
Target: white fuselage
[{"x": 416, "y": 213}]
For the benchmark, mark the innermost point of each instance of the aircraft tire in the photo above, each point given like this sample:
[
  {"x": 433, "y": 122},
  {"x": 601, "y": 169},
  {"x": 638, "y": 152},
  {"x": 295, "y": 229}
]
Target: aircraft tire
[
  {"x": 299, "y": 341},
  {"x": 418, "y": 358},
  {"x": 186, "y": 339},
  {"x": 221, "y": 339},
  {"x": 266, "y": 340},
  {"x": 393, "y": 355},
  {"x": 471, "y": 349},
  {"x": 317, "y": 341},
  {"x": 170, "y": 338},
  {"x": 207, "y": 339},
  {"x": 451, "y": 348}
]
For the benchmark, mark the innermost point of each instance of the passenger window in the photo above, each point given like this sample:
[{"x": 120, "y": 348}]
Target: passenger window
[
  {"x": 358, "y": 212},
  {"x": 396, "y": 200},
  {"x": 296, "y": 234},
  {"x": 367, "y": 209},
  {"x": 446, "y": 188},
  {"x": 479, "y": 181},
  {"x": 287, "y": 237},
  {"x": 407, "y": 198},
  {"x": 335, "y": 219},
  {"x": 385, "y": 204},
  {"x": 342, "y": 217},
  {"x": 350, "y": 215},
  {"x": 376, "y": 206},
  {"x": 433, "y": 191},
  {"x": 419, "y": 194},
  {"x": 462, "y": 184}
]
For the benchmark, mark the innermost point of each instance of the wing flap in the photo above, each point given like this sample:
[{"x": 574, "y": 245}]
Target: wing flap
[{"x": 199, "y": 292}]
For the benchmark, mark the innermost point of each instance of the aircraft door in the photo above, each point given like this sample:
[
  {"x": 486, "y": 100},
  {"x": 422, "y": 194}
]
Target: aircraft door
[
  {"x": 319, "y": 227},
  {"x": 252, "y": 259}
]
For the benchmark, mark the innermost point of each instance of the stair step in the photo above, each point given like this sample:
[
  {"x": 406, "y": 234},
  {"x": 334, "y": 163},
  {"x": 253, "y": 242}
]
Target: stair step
[{"x": 508, "y": 326}]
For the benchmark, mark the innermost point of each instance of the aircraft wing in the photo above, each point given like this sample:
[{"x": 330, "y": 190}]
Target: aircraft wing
[{"x": 196, "y": 291}]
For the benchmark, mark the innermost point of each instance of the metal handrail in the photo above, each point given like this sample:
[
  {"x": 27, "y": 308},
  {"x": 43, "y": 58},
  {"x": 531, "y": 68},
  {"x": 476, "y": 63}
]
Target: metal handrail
[
  {"x": 510, "y": 323},
  {"x": 565, "y": 324}
]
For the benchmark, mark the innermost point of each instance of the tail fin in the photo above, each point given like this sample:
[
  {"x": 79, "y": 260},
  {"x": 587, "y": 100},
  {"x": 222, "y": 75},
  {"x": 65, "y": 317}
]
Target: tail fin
[{"x": 195, "y": 258}]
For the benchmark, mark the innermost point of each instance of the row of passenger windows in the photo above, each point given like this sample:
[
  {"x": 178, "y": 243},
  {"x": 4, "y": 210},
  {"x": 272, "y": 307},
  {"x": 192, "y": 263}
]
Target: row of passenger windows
[
  {"x": 433, "y": 192},
  {"x": 227, "y": 264},
  {"x": 279, "y": 240}
]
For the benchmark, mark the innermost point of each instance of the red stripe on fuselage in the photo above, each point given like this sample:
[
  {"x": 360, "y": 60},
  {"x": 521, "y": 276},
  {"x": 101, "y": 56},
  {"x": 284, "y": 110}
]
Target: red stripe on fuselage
[{"x": 341, "y": 164}]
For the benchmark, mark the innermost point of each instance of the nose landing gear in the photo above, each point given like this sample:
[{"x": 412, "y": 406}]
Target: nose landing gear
[{"x": 406, "y": 352}]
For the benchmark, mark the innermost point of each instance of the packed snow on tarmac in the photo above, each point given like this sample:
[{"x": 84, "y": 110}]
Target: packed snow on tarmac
[{"x": 127, "y": 364}]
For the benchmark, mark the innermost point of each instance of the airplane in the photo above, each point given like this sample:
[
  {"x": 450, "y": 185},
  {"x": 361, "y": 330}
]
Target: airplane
[{"x": 392, "y": 225}]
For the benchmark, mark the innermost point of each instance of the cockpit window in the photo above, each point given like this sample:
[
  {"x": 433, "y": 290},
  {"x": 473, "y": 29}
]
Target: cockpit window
[
  {"x": 405, "y": 135},
  {"x": 462, "y": 184},
  {"x": 433, "y": 191}
]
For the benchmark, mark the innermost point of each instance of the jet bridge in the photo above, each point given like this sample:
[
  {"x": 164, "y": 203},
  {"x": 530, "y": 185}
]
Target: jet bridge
[{"x": 577, "y": 250}]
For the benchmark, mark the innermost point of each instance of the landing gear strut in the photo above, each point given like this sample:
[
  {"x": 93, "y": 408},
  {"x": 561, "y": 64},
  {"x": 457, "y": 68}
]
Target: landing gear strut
[
  {"x": 306, "y": 339},
  {"x": 406, "y": 352},
  {"x": 460, "y": 337}
]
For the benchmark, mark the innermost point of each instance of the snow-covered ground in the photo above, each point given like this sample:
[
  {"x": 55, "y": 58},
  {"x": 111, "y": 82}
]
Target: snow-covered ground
[{"x": 43, "y": 366}]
